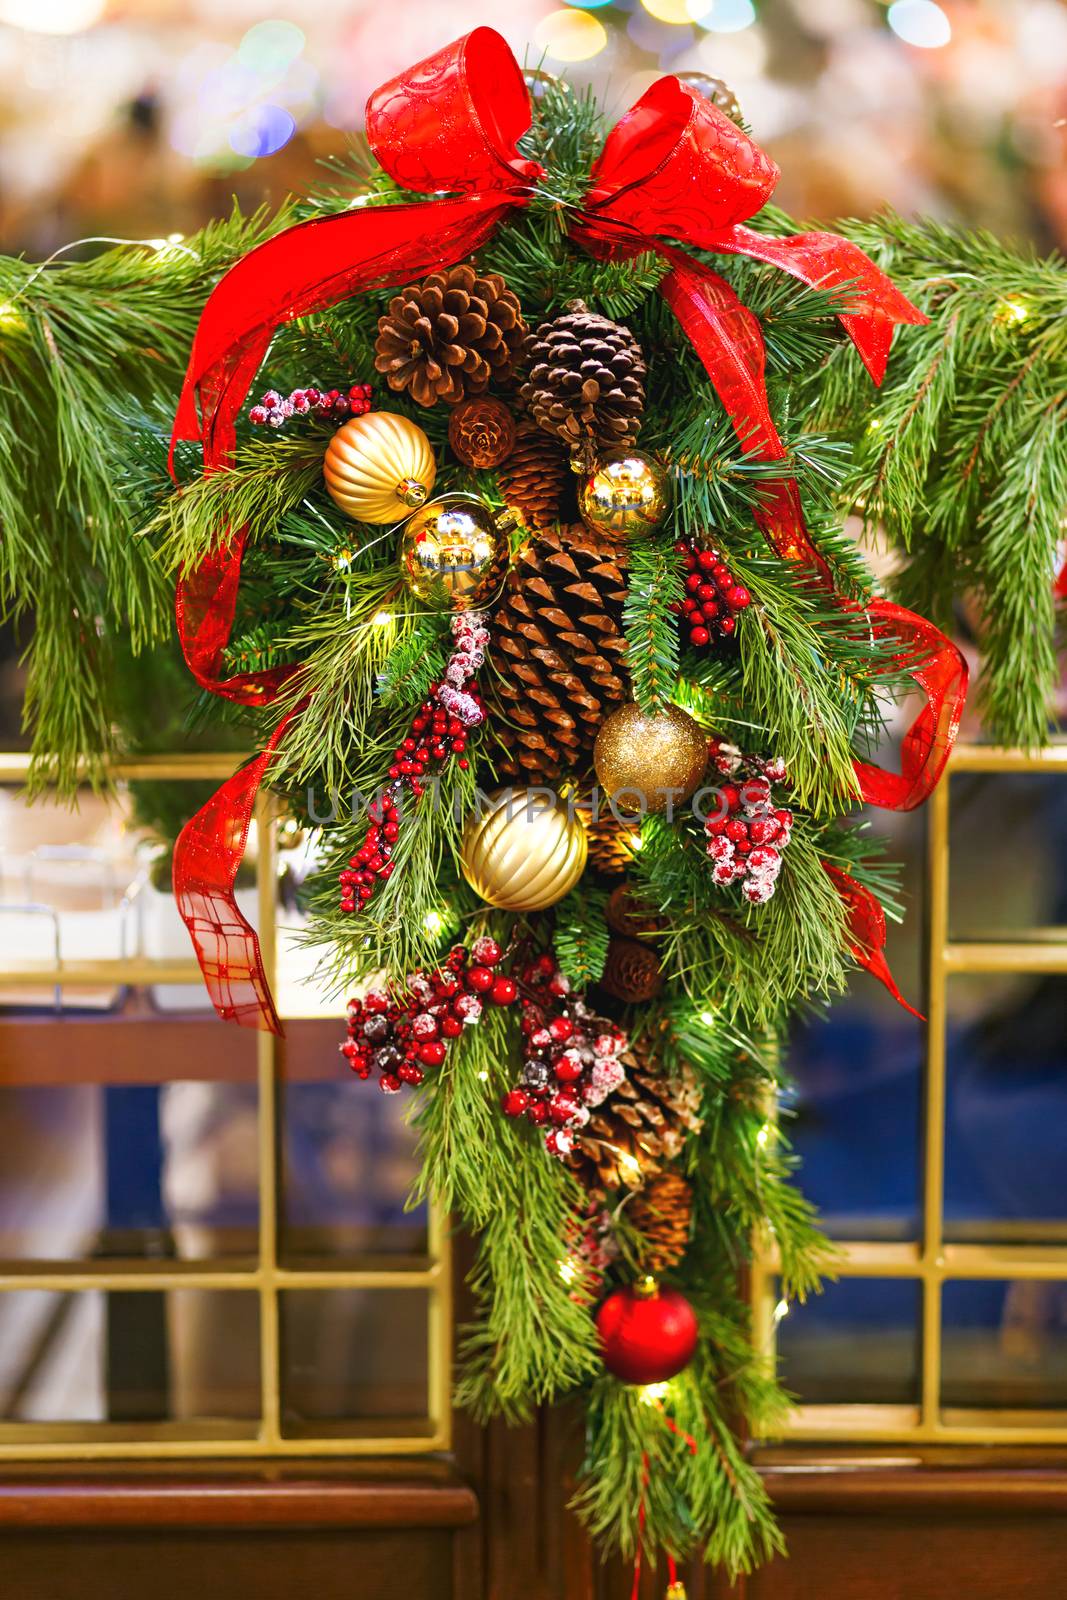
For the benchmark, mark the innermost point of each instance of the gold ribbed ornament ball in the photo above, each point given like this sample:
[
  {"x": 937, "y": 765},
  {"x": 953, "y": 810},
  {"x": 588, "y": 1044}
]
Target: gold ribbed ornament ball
[
  {"x": 379, "y": 466},
  {"x": 626, "y": 496},
  {"x": 524, "y": 850},
  {"x": 448, "y": 550},
  {"x": 648, "y": 760}
]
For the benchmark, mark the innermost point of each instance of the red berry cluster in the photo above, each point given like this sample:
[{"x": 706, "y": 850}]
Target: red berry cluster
[
  {"x": 713, "y": 597},
  {"x": 274, "y": 409},
  {"x": 747, "y": 833},
  {"x": 572, "y": 1058},
  {"x": 398, "y": 1036},
  {"x": 439, "y": 730}
]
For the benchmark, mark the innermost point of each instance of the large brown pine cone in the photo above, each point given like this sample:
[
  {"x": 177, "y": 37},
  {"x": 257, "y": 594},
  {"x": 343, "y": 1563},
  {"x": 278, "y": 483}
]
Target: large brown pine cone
[
  {"x": 535, "y": 476},
  {"x": 446, "y": 337},
  {"x": 586, "y": 381},
  {"x": 558, "y": 647},
  {"x": 663, "y": 1212},
  {"x": 640, "y": 1128}
]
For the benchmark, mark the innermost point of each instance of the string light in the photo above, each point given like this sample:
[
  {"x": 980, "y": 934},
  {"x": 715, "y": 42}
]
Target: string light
[
  {"x": 433, "y": 922},
  {"x": 654, "y": 1394},
  {"x": 568, "y": 1270},
  {"x": 764, "y": 1135},
  {"x": 781, "y": 1310},
  {"x": 635, "y": 841},
  {"x": 1011, "y": 312},
  {"x": 381, "y": 619},
  {"x": 707, "y": 1018},
  {"x": 630, "y": 1165}
]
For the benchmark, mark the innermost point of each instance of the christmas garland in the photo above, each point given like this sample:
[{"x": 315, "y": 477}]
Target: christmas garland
[{"x": 572, "y": 653}]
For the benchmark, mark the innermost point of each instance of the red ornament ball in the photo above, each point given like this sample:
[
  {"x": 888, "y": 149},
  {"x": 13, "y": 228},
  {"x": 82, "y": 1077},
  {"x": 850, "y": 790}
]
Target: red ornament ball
[{"x": 646, "y": 1338}]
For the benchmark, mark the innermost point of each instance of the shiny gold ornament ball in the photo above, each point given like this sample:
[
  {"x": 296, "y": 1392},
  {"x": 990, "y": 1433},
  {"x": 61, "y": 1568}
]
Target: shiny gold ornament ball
[
  {"x": 646, "y": 762},
  {"x": 448, "y": 551},
  {"x": 379, "y": 466},
  {"x": 524, "y": 850},
  {"x": 626, "y": 496}
]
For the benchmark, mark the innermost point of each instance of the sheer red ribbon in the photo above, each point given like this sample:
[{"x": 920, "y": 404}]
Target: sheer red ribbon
[{"x": 674, "y": 168}]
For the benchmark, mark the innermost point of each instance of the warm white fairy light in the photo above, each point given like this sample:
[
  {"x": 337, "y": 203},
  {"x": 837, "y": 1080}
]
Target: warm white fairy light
[
  {"x": 653, "y": 1394},
  {"x": 381, "y": 619},
  {"x": 433, "y": 922},
  {"x": 707, "y": 1018},
  {"x": 568, "y": 1270},
  {"x": 781, "y": 1310},
  {"x": 763, "y": 1136}
]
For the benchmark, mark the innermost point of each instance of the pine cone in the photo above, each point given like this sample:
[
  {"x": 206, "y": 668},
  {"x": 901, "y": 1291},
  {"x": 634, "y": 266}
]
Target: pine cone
[
  {"x": 611, "y": 845},
  {"x": 663, "y": 1212},
  {"x": 586, "y": 382},
  {"x": 446, "y": 337},
  {"x": 558, "y": 649},
  {"x": 631, "y": 972},
  {"x": 639, "y": 1128},
  {"x": 534, "y": 477},
  {"x": 481, "y": 432},
  {"x": 627, "y": 914}
]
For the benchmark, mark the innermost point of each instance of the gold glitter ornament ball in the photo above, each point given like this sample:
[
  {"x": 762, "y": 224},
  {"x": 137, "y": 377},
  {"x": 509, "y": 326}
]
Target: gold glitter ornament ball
[
  {"x": 448, "y": 550},
  {"x": 647, "y": 761},
  {"x": 626, "y": 496},
  {"x": 523, "y": 850},
  {"x": 379, "y": 466}
]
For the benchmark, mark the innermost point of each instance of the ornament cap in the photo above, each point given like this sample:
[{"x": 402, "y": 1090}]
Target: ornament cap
[
  {"x": 646, "y": 1287},
  {"x": 675, "y": 1591},
  {"x": 412, "y": 492}
]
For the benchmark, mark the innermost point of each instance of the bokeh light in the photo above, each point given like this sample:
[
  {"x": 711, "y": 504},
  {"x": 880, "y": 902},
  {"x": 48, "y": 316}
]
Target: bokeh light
[
  {"x": 668, "y": 10},
  {"x": 269, "y": 47},
  {"x": 570, "y": 35},
  {"x": 51, "y": 16},
  {"x": 262, "y": 130},
  {"x": 722, "y": 16},
  {"x": 920, "y": 22}
]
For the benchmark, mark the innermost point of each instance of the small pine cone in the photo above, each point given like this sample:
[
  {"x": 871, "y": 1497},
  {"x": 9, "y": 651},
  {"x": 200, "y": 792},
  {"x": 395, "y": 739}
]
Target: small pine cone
[
  {"x": 611, "y": 845},
  {"x": 663, "y": 1212},
  {"x": 535, "y": 476},
  {"x": 631, "y": 972},
  {"x": 448, "y": 336},
  {"x": 639, "y": 1128},
  {"x": 586, "y": 382},
  {"x": 481, "y": 431},
  {"x": 558, "y": 649},
  {"x": 627, "y": 914}
]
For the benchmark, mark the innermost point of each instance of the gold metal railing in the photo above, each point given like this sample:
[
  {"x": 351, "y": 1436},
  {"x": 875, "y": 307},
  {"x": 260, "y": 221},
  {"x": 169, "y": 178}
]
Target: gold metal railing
[
  {"x": 265, "y": 1276},
  {"x": 932, "y": 1261}
]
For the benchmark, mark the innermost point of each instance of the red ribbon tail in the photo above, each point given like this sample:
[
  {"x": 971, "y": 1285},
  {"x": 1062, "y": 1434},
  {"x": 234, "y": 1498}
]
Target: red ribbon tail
[
  {"x": 207, "y": 856},
  {"x": 939, "y": 669},
  {"x": 729, "y": 341},
  {"x": 866, "y": 931},
  {"x": 826, "y": 261}
]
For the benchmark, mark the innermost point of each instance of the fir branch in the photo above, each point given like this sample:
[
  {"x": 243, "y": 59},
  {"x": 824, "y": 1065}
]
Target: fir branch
[
  {"x": 654, "y": 585},
  {"x": 581, "y": 935}
]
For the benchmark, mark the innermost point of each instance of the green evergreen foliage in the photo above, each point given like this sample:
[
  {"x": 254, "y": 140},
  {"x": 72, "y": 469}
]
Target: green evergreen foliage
[{"x": 961, "y": 463}]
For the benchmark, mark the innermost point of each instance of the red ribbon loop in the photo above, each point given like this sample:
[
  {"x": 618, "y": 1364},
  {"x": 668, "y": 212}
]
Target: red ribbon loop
[
  {"x": 454, "y": 121},
  {"x": 674, "y": 168}
]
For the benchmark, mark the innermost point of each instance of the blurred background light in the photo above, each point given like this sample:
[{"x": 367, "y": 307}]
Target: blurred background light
[
  {"x": 668, "y": 10},
  {"x": 723, "y": 16},
  {"x": 269, "y": 47},
  {"x": 261, "y": 131},
  {"x": 52, "y": 16},
  {"x": 570, "y": 35},
  {"x": 920, "y": 22}
]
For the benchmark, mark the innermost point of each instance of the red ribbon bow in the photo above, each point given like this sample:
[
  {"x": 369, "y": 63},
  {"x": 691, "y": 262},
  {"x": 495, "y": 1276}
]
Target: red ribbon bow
[{"x": 674, "y": 168}]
